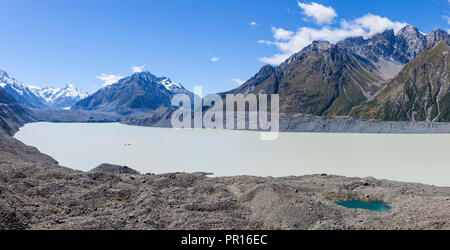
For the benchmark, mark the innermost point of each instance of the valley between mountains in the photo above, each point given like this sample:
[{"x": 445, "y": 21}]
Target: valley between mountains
[
  {"x": 395, "y": 77},
  {"x": 387, "y": 83}
]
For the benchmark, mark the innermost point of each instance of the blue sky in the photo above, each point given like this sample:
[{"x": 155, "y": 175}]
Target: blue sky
[{"x": 212, "y": 43}]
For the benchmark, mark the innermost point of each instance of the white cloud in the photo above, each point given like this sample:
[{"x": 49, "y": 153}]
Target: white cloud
[
  {"x": 138, "y": 69},
  {"x": 214, "y": 59},
  {"x": 238, "y": 81},
  {"x": 109, "y": 79},
  {"x": 372, "y": 24},
  {"x": 282, "y": 34},
  {"x": 288, "y": 45},
  {"x": 253, "y": 23},
  {"x": 275, "y": 59},
  {"x": 321, "y": 14},
  {"x": 447, "y": 18}
]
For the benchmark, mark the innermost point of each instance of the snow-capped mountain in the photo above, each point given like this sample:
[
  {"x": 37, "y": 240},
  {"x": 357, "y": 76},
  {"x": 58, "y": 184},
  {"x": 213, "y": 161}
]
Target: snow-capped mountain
[
  {"x": 41, "y": 98},
  {"x": 25, "y": 95},
  {"x": 62, "y": 97},
  {"x": 169, "y": 85},
  {"x": 140, "y": 91},
  {"x": 5, "y": 79}
]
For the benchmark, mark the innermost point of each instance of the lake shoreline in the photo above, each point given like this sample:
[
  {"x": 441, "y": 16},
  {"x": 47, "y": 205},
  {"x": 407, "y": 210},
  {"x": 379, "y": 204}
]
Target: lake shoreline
[
  {"x": 40, "y": 194},
  {"x": 292, "y": 123},
  {"x": 178, "y": 201},
  {"x": 152, "y": 150}
]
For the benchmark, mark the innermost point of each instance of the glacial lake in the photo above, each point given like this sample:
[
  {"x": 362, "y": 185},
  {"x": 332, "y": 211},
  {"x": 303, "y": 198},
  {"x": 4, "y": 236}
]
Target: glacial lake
[{"x": 83, "y": 146}]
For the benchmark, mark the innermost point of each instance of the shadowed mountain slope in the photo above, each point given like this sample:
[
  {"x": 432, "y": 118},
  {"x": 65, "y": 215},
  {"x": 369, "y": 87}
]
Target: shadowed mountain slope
[{"x": 322, "y": 79}]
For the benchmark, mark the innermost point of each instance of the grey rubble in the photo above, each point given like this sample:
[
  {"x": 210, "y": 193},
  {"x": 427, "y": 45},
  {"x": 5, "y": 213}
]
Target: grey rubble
[
  {"x": 313, "y": 124},
  {"x": 37, "y": 193},
  {"x": 113, "y": 169}
]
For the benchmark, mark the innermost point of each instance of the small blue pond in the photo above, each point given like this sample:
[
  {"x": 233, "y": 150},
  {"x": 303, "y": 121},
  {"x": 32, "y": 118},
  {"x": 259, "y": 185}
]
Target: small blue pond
[{"x": 377, "y": 206}]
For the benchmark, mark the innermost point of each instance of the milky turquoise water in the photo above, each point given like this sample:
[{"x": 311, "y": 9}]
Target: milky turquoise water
[
  {"x": 376, "y": 206},
  {"x": 410, "y": 158}
]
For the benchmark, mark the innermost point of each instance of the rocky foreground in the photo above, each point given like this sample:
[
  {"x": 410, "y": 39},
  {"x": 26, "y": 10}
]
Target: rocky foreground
[{"x": 37, "y": 193}]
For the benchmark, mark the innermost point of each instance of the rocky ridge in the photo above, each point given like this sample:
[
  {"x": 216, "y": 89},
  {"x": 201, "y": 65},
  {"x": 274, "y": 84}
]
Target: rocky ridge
[{"x": 420, "y": 92}]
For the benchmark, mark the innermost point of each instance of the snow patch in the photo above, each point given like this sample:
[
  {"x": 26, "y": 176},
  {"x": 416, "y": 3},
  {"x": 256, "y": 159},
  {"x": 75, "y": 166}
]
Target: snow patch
[
  {"x": 49, "y": 95},
  {"x": 169, "y": 85}
]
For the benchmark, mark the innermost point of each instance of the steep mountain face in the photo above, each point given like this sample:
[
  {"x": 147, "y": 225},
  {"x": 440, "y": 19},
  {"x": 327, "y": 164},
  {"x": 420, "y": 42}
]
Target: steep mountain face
[
  {"x": 264, "y": 82},
  {"x": 326, "y": 79},
  {"x": 420, "y": 92},
  {"x": 388, "y": 51},
  {"x": 410, "y": 43},
  {"x": 25, "y": 95},
  {"x": 12, "y": 115},
  {"x": 37, "y": 98},
  {"x": 141, "y": 91},
  {"x": 437, "y": 35},
  {"x": 322, "y": 79},
  {"x": 5, "y": 98}
]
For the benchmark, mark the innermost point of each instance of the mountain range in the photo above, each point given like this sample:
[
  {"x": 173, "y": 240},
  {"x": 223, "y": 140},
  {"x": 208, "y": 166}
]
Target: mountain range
[
  {"x": 388, "y": 51},
  {"x": 322, "y": 79},
  {"x": 343, "y": 79},
  {"x": 420, "y": 92},
  {"x": 140, "y": 91},
  {"x": 41, "y": 98},
  {"x": 391, "y": 76}
]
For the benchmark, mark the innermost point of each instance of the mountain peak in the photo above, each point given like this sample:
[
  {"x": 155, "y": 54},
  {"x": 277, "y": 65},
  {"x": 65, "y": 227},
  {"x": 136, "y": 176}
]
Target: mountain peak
[
  {"x": 409, "y": 29},
  {"x": 389, "y": 33},
  {"x": 317, "y": 46},
  {"x": 140, "y": 77},
  {"x": 35, "y": 97},
  {"x": 267, "y": 68},
  {"x": 147, "y": 77},
  {"x": 5, "y": 79},
  {"x": 3, "y": 73},
  {"x": 140, "y": 91},
  {"x": 411, "y": 32},
  {"x": 143, "y": 74},
  {"x": 437, "y": 35},
  {"x": 438, "y": 31}
]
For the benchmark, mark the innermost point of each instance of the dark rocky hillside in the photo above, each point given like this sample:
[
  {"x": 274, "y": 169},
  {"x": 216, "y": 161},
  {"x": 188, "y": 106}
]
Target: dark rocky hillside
[
  {"x": 322, "y": 79},
  {"x": 354, "y": 77},
  {"x": 420, "y": 92},
  {"x": 12, "y": 114}
]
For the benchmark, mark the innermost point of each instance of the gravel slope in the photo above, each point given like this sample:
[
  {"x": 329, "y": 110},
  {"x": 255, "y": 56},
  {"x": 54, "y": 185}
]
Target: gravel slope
[{"x": 36, "y": 193}]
